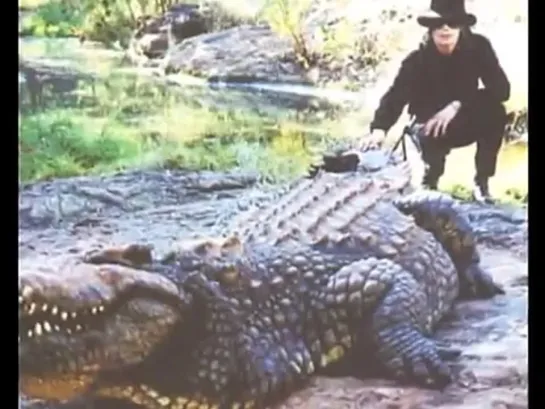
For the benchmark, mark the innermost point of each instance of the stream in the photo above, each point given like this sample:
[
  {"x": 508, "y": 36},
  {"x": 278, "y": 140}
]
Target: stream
[{"x": 274, "y": 99}]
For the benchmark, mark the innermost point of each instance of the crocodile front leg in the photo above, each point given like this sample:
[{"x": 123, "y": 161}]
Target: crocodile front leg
[
  {"x": 270, "y": 365},
  {"x": 437, "y": 213},
  {"x": 400, "y": 319}
]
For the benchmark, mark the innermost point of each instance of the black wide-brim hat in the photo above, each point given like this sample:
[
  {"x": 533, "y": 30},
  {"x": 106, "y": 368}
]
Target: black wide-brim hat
[{"x": 452, "y": 10}]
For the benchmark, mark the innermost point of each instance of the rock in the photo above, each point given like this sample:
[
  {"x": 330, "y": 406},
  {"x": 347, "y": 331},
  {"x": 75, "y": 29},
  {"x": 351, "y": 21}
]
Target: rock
[
  {"x": 258, "y": 53},
  {"x": 185, "y": 21},
  {"x": 153, "y": 45},
  {"x": 154, "y": 35},
  {"x": 50, "y": 204},
  {"x": 38, "y": 74},
  {"x": 238, "y": 54},
  {"x": 252, "y": 51}
]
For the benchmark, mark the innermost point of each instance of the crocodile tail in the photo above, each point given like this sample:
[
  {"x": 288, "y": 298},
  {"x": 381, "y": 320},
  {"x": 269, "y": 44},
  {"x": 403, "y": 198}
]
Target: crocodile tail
[{"x": 439, "y": 214}]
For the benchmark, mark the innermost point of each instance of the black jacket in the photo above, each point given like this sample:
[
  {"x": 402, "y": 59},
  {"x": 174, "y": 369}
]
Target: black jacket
[{"x": 428, "y": 81}]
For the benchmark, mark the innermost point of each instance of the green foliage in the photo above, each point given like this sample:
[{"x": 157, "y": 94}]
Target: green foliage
[
  {"x": 133, "y": 123},
  {"x": 511, "y": 195},
  {"x": 338, "y": 41},
  {"x": 109, "y": 21},
  {"x": 57, "y": 18},
  {"x": 221, "y": 15},
  {"x": 287, "y": 17},
  {"x": 60, "y": 144}
]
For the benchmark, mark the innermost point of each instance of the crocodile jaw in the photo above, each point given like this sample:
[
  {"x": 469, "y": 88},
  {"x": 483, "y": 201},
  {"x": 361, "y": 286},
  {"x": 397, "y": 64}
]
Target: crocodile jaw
[{"x": 75, "y": 326}]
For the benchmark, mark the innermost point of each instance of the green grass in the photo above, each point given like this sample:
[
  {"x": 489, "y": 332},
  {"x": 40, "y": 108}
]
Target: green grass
[
  {"x": 133, "y": 124},
  {"x": 62, "y": 143},
  {"x": 510, "y": 184}
]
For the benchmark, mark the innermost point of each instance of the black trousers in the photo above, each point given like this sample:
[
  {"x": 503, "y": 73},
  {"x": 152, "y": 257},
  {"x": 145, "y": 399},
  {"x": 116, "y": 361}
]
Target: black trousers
[{"x": 482, "y": 121}]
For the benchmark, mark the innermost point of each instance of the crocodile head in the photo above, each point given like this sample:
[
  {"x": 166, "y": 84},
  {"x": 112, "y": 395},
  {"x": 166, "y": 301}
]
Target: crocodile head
[{"x": 89, "y": 320}]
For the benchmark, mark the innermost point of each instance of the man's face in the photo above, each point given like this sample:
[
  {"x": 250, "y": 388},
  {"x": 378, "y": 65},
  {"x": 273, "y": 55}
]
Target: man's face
[{"x": 445, "y": 35}]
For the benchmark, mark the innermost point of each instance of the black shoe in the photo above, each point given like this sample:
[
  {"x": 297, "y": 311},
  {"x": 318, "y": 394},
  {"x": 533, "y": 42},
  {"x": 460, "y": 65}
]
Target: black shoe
[
  {"x": 481, "y": 191},
  {"x": 429, "y": 186},
  {"x": 430, "y": 181}
]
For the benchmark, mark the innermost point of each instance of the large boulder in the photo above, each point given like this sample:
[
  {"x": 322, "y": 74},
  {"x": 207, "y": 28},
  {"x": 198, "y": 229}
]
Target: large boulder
[
  {"x": 156, "y": 33},
  {"x": 325, "y": 47},
  {"x": 238, "y": 54}
]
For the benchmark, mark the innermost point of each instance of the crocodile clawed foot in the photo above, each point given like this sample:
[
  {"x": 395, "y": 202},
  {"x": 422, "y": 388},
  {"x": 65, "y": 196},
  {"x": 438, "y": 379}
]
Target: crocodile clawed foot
[
  {"x": 479, "y": 284},
  {"x": 426, "y": 369},
  {"x": 420, "y": 362}
]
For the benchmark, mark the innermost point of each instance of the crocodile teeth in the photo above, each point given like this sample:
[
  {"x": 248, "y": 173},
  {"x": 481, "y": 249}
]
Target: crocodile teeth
[
  {"x": 58, "y": 321},
  {"x": 26, "y": 292},
  {"x": 255, "y": 283}
]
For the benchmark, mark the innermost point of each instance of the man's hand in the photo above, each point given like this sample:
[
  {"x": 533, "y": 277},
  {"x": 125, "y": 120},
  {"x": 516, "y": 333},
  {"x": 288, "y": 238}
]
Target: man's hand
[
  {"x": 376, "y": 139},
  {"x": 437, "y": 124}
]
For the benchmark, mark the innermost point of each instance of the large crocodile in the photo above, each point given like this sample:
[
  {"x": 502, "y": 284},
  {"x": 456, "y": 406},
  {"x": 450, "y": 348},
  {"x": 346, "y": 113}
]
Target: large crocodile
[
  {"x": 238, "y": 325},
  {"x": 361, "y": 194}
]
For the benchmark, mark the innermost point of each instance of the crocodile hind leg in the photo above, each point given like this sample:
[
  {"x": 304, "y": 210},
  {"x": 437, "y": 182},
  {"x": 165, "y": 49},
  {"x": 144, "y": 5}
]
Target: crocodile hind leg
[
  {"x": 390, "y": 312},
  {"x": 437, "y": 213}
]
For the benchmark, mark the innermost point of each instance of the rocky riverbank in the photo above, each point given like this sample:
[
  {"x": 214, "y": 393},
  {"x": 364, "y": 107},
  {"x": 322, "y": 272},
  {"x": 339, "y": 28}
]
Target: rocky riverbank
[{"x": 68, "y": 217}]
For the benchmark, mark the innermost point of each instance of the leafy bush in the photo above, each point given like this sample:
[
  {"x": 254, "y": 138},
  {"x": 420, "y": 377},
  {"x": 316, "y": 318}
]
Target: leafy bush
[
  {"x": 110, "y": 21},
  {"x": 57, "y": 18},
  {"x": 365, "y": 42},
  {"x": 287, "y": 18}
]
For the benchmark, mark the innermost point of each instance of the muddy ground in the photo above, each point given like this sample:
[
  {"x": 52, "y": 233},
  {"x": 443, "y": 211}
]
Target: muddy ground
[{"x": 68, "y": 217}]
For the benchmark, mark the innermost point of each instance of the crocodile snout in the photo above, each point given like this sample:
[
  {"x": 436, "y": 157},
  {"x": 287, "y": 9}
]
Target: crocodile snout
[{"x": 89, "y": 319}]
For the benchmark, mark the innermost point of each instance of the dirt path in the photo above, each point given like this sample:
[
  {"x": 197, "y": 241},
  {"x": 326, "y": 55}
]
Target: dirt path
[{"x": 75, "y": 215}]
